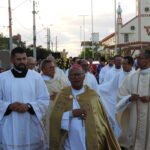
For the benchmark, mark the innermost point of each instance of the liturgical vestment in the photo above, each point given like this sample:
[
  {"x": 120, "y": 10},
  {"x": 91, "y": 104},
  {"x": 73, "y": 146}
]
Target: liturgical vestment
[
  {"x": 135, "y": 119},
  {"x": 98, "y": 133},
  {"x": 23, "y": 131}
]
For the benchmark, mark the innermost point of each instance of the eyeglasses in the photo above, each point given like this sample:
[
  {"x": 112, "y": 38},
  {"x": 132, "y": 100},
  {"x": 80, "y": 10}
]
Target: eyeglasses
[{"x": 76, "y": 75}]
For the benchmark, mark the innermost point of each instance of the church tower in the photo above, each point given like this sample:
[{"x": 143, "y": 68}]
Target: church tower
[
  {"x": 119, "y": 22},
  {"x": 119, "y": 15},
  {"x": 142, "y": 7}
]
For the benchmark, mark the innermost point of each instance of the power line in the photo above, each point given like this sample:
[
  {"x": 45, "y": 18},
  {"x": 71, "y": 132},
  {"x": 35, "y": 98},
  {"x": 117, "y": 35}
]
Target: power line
[
  {"x": 17, "y": 20},
  {"x": 19, "y": 5}
]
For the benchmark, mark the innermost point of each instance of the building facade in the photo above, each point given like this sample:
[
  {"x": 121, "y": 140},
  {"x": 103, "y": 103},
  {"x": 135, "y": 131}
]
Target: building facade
[{"x": 134, "y": 35}]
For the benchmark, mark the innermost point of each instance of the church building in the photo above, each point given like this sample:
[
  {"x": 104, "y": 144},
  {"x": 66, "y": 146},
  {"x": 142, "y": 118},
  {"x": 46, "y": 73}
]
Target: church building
[{"x": 133, "y": 35}]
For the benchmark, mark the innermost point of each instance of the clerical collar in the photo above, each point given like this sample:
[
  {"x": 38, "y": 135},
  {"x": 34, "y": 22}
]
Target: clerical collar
[
  {"x": 77, "y": 92},
  {"x": 19, "y": 74},
  {"x": 126, "y": 72},
  {"x": 145, "y": 71}
]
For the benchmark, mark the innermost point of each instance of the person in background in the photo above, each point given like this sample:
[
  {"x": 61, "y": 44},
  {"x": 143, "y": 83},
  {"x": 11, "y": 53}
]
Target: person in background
[
  {"x": 99, "y": 67},
  {"x": 89, "y": 79},
  {"x": 31, "y": 63},
  {"x": 92, "y": 67},
  {"x": 54, "y": 83},
  {"x": 109, "y": 91},
  {"x": 74, "y": 60},
  {"x": 115, "y": 70},
  {"x": 105, "y": 69}
]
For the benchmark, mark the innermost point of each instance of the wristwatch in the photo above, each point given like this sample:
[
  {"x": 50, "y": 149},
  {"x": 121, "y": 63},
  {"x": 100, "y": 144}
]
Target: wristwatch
[
  {"x": 29, "y": 106},
  {"x": 30, "y": 109}
]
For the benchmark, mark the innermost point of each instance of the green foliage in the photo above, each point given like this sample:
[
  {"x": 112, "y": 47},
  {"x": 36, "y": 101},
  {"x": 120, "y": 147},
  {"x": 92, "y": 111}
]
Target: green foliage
[
  {"x": 41, "y": 53},
  {"x": 4, "y": 42},
  {"x": 90, "y": 54}
]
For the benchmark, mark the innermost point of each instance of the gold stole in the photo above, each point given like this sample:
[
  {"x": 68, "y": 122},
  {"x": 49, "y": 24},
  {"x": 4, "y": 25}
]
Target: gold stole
[{"x": 99, "y": 135}]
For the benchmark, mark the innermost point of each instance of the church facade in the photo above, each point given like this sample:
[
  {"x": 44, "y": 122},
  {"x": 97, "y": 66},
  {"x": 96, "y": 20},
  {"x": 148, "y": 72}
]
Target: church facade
[{"x": 132, "y": 36}]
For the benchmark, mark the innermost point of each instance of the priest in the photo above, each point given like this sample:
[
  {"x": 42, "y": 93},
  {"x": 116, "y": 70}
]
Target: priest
[
  {"x": 24, "y": 100},
  {"x": 134, "y": 102},
  {"x": 78, "y": 120}
]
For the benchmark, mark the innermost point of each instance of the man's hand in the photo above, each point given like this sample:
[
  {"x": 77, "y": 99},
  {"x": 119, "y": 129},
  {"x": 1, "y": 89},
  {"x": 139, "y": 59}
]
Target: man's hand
[
  {"x": 14, "y": 106},
  {"x": 145, "y": 99},
  {"x": 19, "y": 107},
  {"x": 134, "y": 97},
  {"x": 79, "y": 113}
]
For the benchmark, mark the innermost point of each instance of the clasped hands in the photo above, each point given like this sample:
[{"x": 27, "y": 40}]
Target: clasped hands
[
  {"x": 79, "y": 113},
  {"x": 144, "y": 99},
  {"x": 18, "y": 107}
]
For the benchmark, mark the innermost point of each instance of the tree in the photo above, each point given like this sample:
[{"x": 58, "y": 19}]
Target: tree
[
  {"x": 89, "y": 54},
  {"x": 41, "y": 52}
]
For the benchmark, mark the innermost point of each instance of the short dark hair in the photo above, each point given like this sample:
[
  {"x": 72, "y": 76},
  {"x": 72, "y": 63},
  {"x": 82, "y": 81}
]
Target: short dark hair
[
  {"x": 16, "y": 50},
  {"x": 111, "y": 58},
  {"x": 130, "y": 60},
  {"x": 102, "y": 59}
]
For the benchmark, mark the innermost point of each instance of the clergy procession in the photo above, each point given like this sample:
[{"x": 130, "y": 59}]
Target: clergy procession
[{"x": 88, "y": 106}]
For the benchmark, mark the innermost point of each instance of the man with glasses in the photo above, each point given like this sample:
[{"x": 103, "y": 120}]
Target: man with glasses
[
  {"x": 89, "y": 79},
  {"x": 78, "y": 120},
  {"x": 134, "y": 98}
]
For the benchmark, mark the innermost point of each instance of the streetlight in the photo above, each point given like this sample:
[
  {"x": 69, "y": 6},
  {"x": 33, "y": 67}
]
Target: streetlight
[
  {"x": 115, "y": 27},
  {"x": 34, "y": 31},
  {"x": 49, "y": 37},
  {"x": 92, "y": 28},
  {"x": 84, "y": 34},
  {"x": 10, "y": 27}
]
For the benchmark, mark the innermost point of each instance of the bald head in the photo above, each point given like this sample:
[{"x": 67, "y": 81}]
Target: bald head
[{"x": 31, "y": 63}]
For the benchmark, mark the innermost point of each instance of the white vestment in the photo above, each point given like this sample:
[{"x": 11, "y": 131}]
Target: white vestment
[
  {"x": 103, "y": 73},
  {"x": 108, "y": 93},
  {"x": 23, "y": 131},
  {"x": 91, "y": 81},
  {"x": 54, "y": 85},
  {"x": 76, "y": 139},
  {"x": 112, "y": 73},
  {"x": 60, "y": 72},
  {"x": 135, "y": 120}
]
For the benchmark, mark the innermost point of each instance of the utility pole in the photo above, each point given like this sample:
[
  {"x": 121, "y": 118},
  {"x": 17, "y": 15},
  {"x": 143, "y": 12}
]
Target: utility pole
[
  {"x": 34, "y": 31},
  {"x": 48, "y": 39},
  {"x": 84, "y": 34},
  {"x": 56, "y": 44},
  {"x": 92, "y": 28},
  {"x": 10, "y": 27},
  {"x": 52, "y": 45},
  {"x": 80, "y": 37},
  {"x": 115, "y": 27}
]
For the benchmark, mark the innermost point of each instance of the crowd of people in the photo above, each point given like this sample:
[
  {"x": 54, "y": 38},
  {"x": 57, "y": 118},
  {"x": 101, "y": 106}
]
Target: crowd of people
[{"x": 88, "y": 106}]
